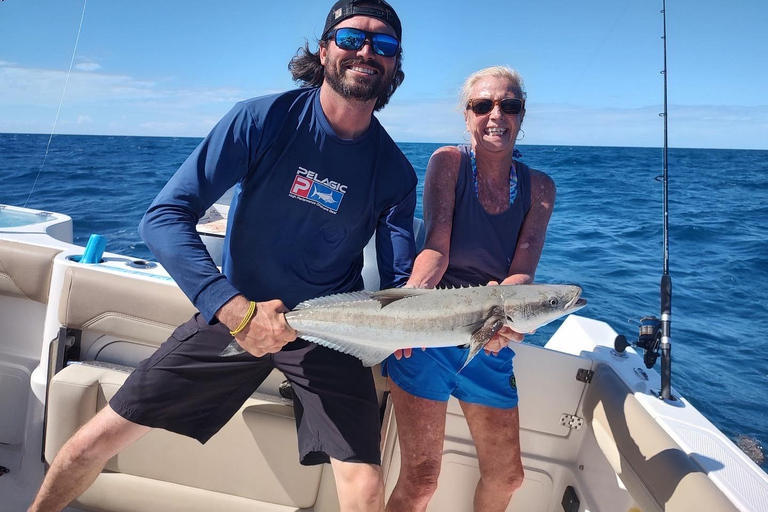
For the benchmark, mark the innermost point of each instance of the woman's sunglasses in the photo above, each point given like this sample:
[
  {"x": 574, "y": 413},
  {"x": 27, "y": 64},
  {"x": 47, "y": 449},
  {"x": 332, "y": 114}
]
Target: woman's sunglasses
[
  {"x": 348, "y": 38},
  {"x": 484, "y": 106}
]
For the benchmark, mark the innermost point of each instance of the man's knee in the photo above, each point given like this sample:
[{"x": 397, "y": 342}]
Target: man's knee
[
  {"x": 371, "y": 487},
  {"x": 102, "y": 437},
  {"x": 364, "y": 479}
]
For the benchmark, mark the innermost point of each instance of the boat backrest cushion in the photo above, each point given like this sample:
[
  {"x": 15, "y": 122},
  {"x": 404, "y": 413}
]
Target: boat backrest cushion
[
  {"x": 652, "y": 466},
  {"x": 251, "y": 464},
  {"x": 136, "y": 316},
  {"x": 133, "y": 309},
  {"x": 25, "y": 270}
]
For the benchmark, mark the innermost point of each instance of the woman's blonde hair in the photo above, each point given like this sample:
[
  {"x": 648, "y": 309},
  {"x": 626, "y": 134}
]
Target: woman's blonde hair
[{"x": 503, "y": 72}]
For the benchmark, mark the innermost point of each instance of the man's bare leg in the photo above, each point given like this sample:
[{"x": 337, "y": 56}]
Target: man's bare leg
[
  {"x": 83, "y": 457},
  {"x": 360, "y": 486}
]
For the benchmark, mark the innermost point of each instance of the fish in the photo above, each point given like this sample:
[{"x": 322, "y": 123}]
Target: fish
[
  {"x": 325, "y": 197},
  {"x": 372, "y": 325}
]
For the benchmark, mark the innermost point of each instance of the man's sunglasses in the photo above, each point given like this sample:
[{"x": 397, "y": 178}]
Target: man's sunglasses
[
  {"x": 484, "y": 106},
  {"x": 348, "y": 38}
]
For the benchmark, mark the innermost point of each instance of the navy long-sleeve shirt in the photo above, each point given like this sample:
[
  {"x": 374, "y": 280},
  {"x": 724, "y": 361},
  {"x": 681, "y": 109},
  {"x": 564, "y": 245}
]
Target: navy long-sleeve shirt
[{"x": 305, "y": 204}]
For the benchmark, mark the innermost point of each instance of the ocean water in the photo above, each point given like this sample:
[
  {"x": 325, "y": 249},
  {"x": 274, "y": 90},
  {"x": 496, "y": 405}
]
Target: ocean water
[{"x": 605, "y": 235}]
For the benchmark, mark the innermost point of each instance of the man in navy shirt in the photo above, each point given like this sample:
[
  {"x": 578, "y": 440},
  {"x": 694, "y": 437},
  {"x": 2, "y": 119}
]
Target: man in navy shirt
[{"x": 315, "y": 176}]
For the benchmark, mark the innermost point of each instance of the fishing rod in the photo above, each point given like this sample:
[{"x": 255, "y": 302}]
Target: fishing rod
[
  {"x": 666, "y": 280},
  {"x": 654, "y": 334}
]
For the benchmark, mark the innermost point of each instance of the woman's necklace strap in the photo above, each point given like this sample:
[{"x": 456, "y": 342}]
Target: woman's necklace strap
[{"x": 512, "y": 178}]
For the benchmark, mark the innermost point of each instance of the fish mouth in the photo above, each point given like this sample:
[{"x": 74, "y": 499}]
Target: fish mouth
[{"x": 576, "y": 303}]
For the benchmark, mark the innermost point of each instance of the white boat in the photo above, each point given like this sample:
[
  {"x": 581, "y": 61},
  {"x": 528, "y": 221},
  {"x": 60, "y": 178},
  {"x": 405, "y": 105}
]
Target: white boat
[{"x": 594, "y": 434}]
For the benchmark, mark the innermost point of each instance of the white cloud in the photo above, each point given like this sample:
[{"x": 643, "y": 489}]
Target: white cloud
[
  {"x": 556, "y": 124},
  {"x": 103, "y": 103},
  {"x": 165, "y": 127},
  {"x": 87, "y": 66},
  {"x": 432, "y": 120},
  {"x": 116, "y": 104},
  {"x": 44, "y": 87}
]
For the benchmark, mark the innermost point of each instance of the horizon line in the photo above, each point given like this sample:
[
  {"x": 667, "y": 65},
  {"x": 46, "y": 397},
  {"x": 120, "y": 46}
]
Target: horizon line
[{"x": 397, "y": 142}]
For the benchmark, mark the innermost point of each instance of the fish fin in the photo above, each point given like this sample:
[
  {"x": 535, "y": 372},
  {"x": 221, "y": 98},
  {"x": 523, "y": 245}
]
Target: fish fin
[
  {"x": 368, "y": 354},
  {"x": 233, "y": 349},
  {"x": 391, "y": 295},
  {"x": 330, "y": 300},
  {"x": 484, "y": 334}
]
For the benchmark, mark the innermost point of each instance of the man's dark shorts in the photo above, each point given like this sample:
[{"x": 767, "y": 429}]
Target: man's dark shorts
[{"x": 187, "y": 388}]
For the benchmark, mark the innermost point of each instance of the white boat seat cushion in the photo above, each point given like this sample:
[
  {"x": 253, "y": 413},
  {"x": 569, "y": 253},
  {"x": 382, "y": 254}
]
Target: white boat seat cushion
[{"x": 251, "y": 464}]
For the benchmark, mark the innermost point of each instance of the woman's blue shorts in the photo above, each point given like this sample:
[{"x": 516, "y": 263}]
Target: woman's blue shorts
[{"x": 434, "y": 374}]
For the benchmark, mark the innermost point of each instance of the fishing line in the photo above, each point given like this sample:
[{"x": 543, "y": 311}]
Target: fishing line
[
  {"x": 582, "y": 74},
  {"x": 61, "y": 102},
  {"x": 605, "y": 38}
]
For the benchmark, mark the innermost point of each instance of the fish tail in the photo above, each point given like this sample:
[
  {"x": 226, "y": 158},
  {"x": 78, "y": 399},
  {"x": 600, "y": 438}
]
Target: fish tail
[{"x": 233, "y": 349}]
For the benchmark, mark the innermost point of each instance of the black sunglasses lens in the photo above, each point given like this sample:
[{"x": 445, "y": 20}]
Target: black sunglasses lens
[
  {"x": 350, "y": 39},
  {"x": 511, "y": 106},
  {"x": 482, "y": 107},
  {"x": 385, "y": 45}
]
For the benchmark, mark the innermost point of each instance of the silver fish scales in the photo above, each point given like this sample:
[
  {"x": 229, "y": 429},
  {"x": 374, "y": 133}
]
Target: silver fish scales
[{"x": 372, "y": 325}]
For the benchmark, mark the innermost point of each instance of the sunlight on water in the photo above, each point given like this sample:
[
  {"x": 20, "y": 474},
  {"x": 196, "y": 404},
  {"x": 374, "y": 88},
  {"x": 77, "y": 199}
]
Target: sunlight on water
[{"x": 752, "y": 448}]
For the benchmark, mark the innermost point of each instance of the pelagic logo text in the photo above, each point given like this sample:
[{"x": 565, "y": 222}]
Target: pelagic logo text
[{"x": 308, "y": 186}]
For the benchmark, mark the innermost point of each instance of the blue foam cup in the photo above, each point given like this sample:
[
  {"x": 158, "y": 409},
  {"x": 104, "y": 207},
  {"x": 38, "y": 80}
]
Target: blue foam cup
[{"x": 94, "y": 249}]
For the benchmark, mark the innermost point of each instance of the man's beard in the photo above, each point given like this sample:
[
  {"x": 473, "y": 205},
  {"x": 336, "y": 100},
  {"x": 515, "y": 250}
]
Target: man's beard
[{"x": 362, "y": 89}]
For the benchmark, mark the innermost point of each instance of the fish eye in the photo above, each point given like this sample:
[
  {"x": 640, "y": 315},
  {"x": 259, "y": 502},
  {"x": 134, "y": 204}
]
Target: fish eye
[{"x": 554, "y": 302}]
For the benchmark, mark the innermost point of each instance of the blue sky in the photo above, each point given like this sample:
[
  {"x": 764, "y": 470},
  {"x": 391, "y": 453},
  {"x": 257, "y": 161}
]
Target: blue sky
[{"x": 591, "y": 68}]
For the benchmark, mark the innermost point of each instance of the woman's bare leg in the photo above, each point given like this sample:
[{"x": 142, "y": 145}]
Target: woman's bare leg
[
  {"x": 496, "y": 434},
  {"x": 420, "y": 431}
]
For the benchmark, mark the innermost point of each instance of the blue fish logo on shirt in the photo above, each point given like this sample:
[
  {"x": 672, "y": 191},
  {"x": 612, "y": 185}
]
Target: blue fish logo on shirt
[{"x": 326, "y": 196}]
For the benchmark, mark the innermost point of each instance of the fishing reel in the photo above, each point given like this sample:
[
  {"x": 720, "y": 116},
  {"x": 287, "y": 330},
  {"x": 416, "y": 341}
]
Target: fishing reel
[{"x": 648, "y": 338}]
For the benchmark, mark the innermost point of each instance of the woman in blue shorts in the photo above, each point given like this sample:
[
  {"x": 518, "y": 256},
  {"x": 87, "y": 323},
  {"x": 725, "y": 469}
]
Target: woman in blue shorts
[{"x": 486, "y": 216}]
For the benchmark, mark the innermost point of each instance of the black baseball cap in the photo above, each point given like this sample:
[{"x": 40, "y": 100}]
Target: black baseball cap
[{"x": 380, "y": 9}]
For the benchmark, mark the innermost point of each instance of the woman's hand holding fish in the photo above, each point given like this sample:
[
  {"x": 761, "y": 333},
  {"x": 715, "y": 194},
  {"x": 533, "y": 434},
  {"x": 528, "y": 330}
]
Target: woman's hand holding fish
[
  {"x": 267, "y": 331},
  {"x": 505, "y": 334},
  {"x": 502, "y": 339},
  {"x": 405, "y": 352}
]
